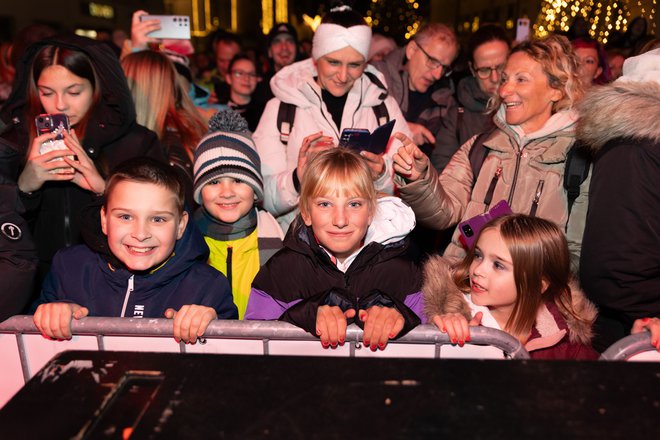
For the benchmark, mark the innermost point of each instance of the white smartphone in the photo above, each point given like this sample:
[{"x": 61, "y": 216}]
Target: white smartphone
[
  {"x": 522, "y": 29},
  {"x": 172, "y": 27}
]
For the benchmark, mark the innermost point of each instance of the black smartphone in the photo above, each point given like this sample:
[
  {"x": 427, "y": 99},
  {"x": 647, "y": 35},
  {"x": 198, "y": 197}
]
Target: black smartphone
[
  {"x": 471, "y": 227},
  {"x": 359, "y": 139}
]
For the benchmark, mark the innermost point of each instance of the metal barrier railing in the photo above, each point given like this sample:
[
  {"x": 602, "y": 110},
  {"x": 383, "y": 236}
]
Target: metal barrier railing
[
  {"x": 263, "y": 330},
  {"x": 628, "y": 347}
]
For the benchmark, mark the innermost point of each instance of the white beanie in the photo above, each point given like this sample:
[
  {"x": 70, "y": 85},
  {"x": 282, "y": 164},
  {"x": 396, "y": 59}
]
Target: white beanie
[{"x": 330, "y": 37}]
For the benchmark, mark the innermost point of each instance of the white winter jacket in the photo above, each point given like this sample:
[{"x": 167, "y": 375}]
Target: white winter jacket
[{"x": 295, "y": 84}]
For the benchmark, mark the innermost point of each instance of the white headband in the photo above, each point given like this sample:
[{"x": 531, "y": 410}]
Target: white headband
[{"x": 330, "y": 37}]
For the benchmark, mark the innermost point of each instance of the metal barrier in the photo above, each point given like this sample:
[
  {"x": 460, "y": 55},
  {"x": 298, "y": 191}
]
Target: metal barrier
[
  {"x": 634, "y": 347},
  {"x": 24, "y": 351}
]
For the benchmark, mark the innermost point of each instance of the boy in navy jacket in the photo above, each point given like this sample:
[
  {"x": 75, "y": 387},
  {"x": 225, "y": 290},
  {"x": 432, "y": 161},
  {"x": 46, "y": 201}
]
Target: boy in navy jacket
[{"x": 150, "y": 263}]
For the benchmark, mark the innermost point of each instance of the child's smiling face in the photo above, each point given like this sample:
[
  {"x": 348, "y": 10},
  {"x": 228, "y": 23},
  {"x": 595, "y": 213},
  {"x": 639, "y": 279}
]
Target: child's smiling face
[
  {"x": 227, "y": 199},
  {"x": 339, "y": 222},
  {"x": 143, "y": 223}
]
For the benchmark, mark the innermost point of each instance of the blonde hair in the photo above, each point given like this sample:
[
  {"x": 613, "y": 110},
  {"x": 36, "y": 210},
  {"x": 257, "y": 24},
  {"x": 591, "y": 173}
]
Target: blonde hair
[
  {"x": 539, "y": 253},
  {"x": 337, "y": 171},
  {"x": 559, "y": 63},
  {"x": 160, "y": 101}
]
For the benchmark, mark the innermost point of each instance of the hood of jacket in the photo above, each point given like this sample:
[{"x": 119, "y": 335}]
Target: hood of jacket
[
  {"x": 112, "y": 116},
  {"x": 385, "y": 238},
  {"x": 471, "y": 96},
  {"x": 295, "y": 84},
  {"x": 441, "y": 295},
  {"x": 620, "y": 110}
]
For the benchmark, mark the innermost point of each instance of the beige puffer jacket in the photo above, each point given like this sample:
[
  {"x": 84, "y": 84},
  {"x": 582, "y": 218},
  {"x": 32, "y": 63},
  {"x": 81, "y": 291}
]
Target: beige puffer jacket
[{"x": 535, "y": 168}]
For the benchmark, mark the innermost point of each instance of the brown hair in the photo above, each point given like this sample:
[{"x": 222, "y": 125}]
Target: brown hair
[
  {"x": 539, "y": 253},
  {"x": 560, "y": 65},
  {"x": 337, "y": 170},
  {"x": 146, "y": 170},
  {"x": 74, "y": 61}
]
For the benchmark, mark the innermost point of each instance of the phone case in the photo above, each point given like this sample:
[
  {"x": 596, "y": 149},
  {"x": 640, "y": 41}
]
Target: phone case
[
  {"x": 359, "y": 139},
  {"x": 470, "y": 228},
  {"x": 172, "y": 27}
]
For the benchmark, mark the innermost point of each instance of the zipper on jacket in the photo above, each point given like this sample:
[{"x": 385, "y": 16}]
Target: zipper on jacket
[
  {"x": 537, "y": 196},
  {"x": 323, "y": 113},
  {"x": 491, "y": 188},
  {"x": 129, "y": 290},
  {"x": 515, "y": 177},
  {"x": 229, "y": 258}
]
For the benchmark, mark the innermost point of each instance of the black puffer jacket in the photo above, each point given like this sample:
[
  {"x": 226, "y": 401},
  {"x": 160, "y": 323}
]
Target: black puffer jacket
[{"x": 111, "y": 136}]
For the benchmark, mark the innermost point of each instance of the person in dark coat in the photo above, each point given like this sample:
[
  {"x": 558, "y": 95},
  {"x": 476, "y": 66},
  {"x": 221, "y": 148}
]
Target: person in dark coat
[{"x": 82, "y": 79}]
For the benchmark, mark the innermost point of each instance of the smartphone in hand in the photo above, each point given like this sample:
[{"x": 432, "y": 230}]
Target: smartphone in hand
[
  {"x": 359, "y": 139},
  {"x": 172, "y": 27},
  {"x": 53, "y": 123},
  {"x": 470, "y": 228}
]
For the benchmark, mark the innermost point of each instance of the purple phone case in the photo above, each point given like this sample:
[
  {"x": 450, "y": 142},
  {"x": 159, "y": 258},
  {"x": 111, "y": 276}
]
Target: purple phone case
[{"x": 471, "y": 227}]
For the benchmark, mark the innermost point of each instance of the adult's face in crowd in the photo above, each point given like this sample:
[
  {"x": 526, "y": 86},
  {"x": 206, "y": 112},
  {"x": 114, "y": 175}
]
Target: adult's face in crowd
[
  {"x": 615, "y": 62},
  {"x": 488, "y": 63},
  {"x": 589, "y": 68},
  {"x": 428, "y": 62},
  {"x": 62, "y": 91},
  {"x": 338, "y": 70},
  {"x": 224, "y": 52},
  {"x": 243, "y": 77},
  {"x": 282, "y": 50},
  {"x": 526, "y": 93}
]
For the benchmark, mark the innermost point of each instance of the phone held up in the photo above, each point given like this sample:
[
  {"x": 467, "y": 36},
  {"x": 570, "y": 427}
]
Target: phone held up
[
  {"x": 52, "y": 123},
  {"x": 172, "y": 27},
  {"x": 359, "y": 139},
  {"x": 470, "y": 228}
]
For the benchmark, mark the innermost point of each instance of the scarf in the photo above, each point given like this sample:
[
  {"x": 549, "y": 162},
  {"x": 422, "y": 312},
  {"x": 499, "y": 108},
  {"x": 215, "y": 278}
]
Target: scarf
[{"x": 219, "y": 230}]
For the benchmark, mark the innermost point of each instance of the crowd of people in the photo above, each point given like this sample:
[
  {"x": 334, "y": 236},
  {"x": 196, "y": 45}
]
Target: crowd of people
[{"x": 519, "y": 194}]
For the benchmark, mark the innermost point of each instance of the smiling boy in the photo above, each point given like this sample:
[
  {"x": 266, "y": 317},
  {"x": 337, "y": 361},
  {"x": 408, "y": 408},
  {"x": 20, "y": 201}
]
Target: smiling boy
[{"x": 151, "y": 265}]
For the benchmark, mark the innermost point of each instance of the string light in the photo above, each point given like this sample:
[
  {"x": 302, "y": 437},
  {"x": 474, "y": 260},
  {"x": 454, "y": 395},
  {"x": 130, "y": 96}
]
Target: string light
[
  {"x": 602, "y": 17},
  {"x": 405, "y": 17}
]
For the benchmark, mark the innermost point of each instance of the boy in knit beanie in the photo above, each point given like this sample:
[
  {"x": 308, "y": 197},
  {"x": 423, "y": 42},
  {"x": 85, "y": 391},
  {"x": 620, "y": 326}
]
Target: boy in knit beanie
[{"x": 229, "y": 188}]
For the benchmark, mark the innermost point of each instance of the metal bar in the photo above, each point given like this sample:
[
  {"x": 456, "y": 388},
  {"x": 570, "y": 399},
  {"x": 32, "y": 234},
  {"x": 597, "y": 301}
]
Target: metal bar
[
  {"x": 23, "y": 356},
  {"x": 267, "y": 330},
  {"x": 628, "y": 347}
]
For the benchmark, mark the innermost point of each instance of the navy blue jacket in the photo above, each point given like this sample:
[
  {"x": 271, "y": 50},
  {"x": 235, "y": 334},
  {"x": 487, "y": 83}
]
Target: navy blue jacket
[{"x": 85, "y": 277}]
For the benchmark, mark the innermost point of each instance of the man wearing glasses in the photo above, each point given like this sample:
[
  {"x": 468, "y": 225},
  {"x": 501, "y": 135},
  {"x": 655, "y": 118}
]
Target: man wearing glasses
[
  {"x": 413, "y": 75},
  {"x": 488, "y": 49}
]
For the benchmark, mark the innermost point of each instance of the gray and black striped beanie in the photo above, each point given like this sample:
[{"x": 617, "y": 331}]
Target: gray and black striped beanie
[{"x": 228, "y": 151}]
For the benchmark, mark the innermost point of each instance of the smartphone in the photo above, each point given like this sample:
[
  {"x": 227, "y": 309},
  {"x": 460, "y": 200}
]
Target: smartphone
[
  {"x": 522, "y": 30},
  {"x": 52, "y": 123},
  {"x": 172, "y": 27},
  {"x": 470, "y": 228},
  {"x": 359, "y": 139}
]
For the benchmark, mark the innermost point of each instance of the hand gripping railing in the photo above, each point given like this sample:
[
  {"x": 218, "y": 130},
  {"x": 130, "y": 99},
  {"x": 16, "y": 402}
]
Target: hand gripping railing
[
  {"x": 628, "y": 347},
  {"x": 264, "y": 330}
]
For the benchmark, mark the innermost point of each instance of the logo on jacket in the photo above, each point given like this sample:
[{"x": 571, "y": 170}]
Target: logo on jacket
[
  {"x": 138, "y": 311},
  {"x": 11, "y": 231}
]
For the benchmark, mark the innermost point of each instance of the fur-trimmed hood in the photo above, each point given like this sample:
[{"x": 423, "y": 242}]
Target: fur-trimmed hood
[
  {"x": 620, "y": 110},
  {"x": 442, "y": 296}
]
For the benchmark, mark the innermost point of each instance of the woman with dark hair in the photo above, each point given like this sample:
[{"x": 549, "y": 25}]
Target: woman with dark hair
[
  {"x": 593, "y": 62},
  {"x": 83, "y": 80},
  {"x": 488, "y": 50},
  {"x": 242, "y": 77},
  {"x": 334, "y": 90}
]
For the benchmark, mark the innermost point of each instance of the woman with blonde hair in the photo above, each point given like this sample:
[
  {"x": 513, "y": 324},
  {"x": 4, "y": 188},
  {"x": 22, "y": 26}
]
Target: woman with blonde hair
[
  {"x": 164, "y": 107},
  {"x": 523, "y": 159}
]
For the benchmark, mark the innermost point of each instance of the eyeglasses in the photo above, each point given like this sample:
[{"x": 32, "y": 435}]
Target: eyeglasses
[
  {"x": 486, "y": 72},
  {"x": 434, "y": 63},
  {"x": 238, "y": 74}
]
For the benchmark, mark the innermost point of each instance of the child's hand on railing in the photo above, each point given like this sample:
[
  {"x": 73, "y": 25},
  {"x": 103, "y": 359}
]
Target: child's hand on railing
[
  {"x": 456, "y": 326},
  {"x": 54, "y": 319},
  {"x": 190, "y": 321},
  {"x": 331, "y": 324},
  {"x": 380, "y": 325},
  {"x": 650, "y": 324}
]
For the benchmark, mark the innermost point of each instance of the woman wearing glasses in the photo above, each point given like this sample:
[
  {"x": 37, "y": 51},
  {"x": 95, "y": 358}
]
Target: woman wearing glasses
[
  {"x": 488, "y": 50},
  {"x": 525, "y": 157},
  {"x": 242, "y": 78},
  {"x": 333, "y": 90}
]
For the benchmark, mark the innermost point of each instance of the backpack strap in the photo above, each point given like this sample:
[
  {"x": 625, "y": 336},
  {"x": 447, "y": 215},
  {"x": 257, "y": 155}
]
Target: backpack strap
[
  {"x": 382, "y": 115},
  {"x": 575, "y": 173},
  {"x": 285, "y": 116},
  {"x": 478, "y": 152}
]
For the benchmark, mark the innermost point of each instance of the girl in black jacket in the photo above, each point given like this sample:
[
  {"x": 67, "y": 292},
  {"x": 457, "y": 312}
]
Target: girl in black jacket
[{"x": 82, "y": 79}]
